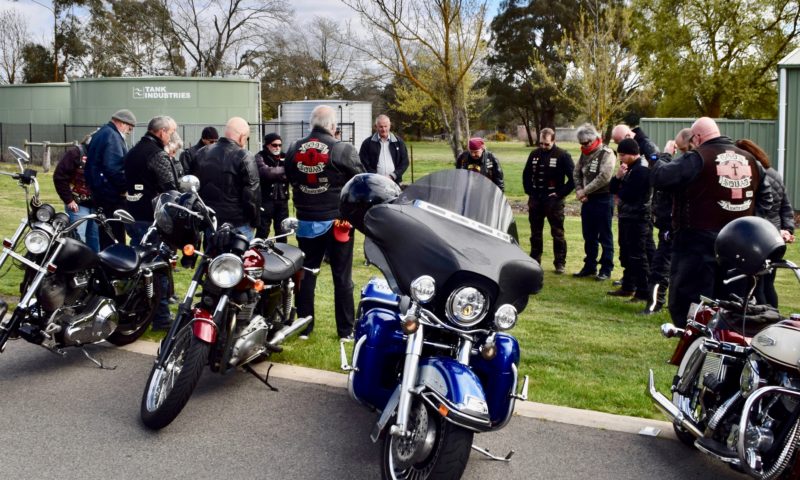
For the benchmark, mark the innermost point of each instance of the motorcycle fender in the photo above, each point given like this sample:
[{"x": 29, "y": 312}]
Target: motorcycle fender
[
  {"x": 386, "y": 415},
  {"x": 203, "y": 326},
  {"x": 455, "y": 391}
]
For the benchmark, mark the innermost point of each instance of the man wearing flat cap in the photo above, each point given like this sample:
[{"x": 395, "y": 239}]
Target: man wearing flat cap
[
  {"x": 478, "y": 159},
  {"x": 105, "y": 170},
  {"x": 632, "y": 185},
  {"x": 209, "y": 136}
]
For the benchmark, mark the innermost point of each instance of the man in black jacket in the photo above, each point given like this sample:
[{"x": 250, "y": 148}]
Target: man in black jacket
[
  {"x": 632, "y": 185},
  {"x": 71, "y": 187},
  {"x": 478, "y": 159},
  {"x": 229, "y": 178},
  {"x": 274, "y": 186},
  {"x": 318, "y": 166},
  {"x": 384, "y": 153},
  {"x": 149, "y": 172},
  {"x": 713, "y": 185},
  {"x": 547, "y": 179},
  {"x": 188, "y": 157}
]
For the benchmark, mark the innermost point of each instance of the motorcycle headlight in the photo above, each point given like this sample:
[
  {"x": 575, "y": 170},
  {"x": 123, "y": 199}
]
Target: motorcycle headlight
[
  {"x": 37, "y": 241},
  {"x": 226, "y": 270},
  {"x": 423, "y": 289},
  {"x": 466, "y": 306},
  {"x": 45, "y": 213},
  {"x": 505, "y": 317}
]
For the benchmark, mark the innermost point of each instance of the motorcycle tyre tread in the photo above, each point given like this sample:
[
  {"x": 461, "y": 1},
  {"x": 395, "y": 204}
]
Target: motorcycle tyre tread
[
  {"x": 451, "y": 457},
  {"x": 196, "y": 360},
  {"x": 119, "y": 339}
]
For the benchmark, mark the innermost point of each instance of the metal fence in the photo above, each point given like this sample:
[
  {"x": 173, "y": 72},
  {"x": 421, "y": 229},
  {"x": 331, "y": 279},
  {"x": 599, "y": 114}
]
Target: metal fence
[{"x": 16, "y": 134}]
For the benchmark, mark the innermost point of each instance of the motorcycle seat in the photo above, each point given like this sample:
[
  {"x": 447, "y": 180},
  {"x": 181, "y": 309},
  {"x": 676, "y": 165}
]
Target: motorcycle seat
[
  {"x": 120, "y": 259},
  {"x": 278, "y": 267}
]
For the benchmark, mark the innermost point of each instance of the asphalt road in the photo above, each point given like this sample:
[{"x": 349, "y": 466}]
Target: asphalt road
[{"x": 65, "y": 418}]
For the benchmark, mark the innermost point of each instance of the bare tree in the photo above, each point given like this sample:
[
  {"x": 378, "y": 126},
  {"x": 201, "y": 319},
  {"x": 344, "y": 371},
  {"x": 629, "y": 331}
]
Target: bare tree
[
  {"x": 13, "y": 37},
  {"x": 212, "y": 32},
  {"x": 434, "y": 45}
]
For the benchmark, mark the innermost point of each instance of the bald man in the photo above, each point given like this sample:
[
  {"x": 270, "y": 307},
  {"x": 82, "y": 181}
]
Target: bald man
[
  {"x": 229, "y": 178},
  {"x": 647, "y": 147},
  {"x": 713, "y": 185}
]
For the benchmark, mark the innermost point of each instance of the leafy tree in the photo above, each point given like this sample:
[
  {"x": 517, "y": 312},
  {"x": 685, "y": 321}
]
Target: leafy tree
[
  {"x": 716, "y": 58},
  {"x": 520, "y": 29},
  {"x": 39, "y": 63},
  {"x": 432, "y": 44},
  {"x": 13, "y": 37},
  {"x": 602, "y": 79}
]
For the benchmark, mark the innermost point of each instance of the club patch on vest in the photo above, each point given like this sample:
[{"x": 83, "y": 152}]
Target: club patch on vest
[
  {"x": 735, "y": 174},
  {"x": 311, "y": 159}
]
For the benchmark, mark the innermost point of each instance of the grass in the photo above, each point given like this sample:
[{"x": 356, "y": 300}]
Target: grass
[{"x": 580, "y": 347}]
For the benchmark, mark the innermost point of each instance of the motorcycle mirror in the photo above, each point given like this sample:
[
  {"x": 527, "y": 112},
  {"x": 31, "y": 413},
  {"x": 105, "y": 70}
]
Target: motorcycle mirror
[
  {"x": 123, "y": 216},
  {"x": 289, "y": 224},
  {"x": 189, "y": 183},
  {"x": 21, "y": 157}
]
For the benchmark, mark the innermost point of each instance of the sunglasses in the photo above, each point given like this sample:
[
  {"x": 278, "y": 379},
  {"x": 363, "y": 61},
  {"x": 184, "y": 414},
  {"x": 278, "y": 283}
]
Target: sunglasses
[
  {"x": 544, "y": 144},
  {"x": 586, "y": 143},
  {"x": 275, "y": 144}
]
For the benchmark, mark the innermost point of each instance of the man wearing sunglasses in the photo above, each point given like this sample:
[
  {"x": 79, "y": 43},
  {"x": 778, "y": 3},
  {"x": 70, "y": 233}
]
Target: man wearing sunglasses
[
  {"x": 547, "y": 180},
  {"x": 274, "y": 185}
]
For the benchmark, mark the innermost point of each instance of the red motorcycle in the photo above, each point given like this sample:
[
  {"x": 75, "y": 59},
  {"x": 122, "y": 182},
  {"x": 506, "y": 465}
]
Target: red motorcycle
[
  {"x": 736, "y": 393},
  {"x": 246, "y": 309}
]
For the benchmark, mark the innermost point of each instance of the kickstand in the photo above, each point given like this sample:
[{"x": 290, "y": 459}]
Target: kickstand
[
  {"x": 99, "y": 363},
  {"x": 264, "y": 380},
  {"x": 485, "y": 451}
]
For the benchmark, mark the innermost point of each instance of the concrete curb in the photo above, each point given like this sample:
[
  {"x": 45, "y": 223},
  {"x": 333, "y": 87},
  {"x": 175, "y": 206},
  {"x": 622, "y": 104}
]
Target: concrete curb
[{"x": 540, "y": 411}]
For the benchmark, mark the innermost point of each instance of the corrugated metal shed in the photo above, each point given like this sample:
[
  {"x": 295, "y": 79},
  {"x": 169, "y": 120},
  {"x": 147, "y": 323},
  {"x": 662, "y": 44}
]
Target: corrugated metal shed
[{"x": 788, "y": 155}]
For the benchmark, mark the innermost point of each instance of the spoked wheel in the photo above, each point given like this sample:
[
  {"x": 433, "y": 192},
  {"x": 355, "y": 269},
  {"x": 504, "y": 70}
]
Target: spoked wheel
[
  {"x": 436, "y": 449},
  {"x": 688, "y": 404},
  {"x": 138, "y": 314},
  {"x": 169, "y": 387}
]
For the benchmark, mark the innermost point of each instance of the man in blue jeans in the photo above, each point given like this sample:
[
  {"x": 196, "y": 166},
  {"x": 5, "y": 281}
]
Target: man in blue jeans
[
  {"x": 71, "y": 187},
  {"x": 592, "y": 176}
]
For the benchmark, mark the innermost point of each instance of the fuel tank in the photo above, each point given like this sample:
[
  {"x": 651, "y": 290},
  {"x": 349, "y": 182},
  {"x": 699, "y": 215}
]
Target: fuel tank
[{"x": 780, "y": 343}]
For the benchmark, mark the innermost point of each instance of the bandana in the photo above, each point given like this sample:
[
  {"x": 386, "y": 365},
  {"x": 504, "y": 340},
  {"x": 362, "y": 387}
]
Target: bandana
[{"x": 592, "y": 146}]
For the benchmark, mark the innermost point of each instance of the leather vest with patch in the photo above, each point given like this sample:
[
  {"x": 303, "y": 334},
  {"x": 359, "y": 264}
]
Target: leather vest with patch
[{"x": 724, "y": 190}]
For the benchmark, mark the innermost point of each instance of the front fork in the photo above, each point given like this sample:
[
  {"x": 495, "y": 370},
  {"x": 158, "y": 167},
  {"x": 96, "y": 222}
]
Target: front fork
[
  {"x": 184, "y": 309},
  {"x": 8, "y": 326},
  {"x": 409, "y": 381}
]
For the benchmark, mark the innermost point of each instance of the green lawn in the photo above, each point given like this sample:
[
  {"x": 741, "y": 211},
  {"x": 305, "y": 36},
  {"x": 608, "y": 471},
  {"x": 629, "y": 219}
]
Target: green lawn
[{"x": 580, "y": 347}]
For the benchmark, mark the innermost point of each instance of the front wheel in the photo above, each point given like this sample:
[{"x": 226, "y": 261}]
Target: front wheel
[
  {"x": 169, "y": 387},
  {"x": 436, "y": 449}
]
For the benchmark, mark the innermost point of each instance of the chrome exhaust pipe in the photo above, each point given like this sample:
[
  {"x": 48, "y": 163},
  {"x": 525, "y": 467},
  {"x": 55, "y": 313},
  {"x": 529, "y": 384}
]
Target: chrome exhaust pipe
[
  {"x": 286, "y": 332},
  {"x": 670, "y": 410}
]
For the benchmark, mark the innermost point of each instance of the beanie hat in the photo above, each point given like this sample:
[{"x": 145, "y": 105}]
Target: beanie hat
[
  {"x": 475, "y": 143},
  {"x": 125, "y": 116},
  {"x": 210, "y": 133},
  {"x": 629, "y": 146},
  {"x": 271, "y": 137}
]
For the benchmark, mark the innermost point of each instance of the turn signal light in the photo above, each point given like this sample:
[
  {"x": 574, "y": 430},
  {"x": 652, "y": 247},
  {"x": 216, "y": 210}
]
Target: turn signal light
[
  {"x": 443, "y": 410},
  {"x": 410, "y": 325},
  {"x": 188, "y": 249},
  {"x": 258, "y": 285},
  {"x": 488, "y": 352}
]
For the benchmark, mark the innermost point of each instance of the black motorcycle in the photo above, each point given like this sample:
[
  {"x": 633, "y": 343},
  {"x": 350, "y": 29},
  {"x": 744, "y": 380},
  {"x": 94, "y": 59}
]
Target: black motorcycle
[
  {"x": 246, "y": 307},
  {"x": 70, "y": 295}
]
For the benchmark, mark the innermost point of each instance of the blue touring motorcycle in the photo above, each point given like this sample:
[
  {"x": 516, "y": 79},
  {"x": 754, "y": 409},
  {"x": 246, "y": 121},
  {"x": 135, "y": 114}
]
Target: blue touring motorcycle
[{"x": 431, "y": 350}]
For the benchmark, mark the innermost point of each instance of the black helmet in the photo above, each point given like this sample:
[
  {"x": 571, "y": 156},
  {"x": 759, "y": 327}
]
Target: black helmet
[
  {"x": 362, "y": 192},
  {"x": 747, "y": 243},
  {"x": 177, "y": 227}
]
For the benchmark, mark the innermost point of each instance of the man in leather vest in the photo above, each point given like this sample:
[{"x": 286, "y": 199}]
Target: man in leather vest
[
  {"x": 229, "y": 178},
  {"x": 547, "y": 179},
  {"x": 713, "y": 184},
  {"x": 150, "y": 172},
  {"x": 318, "y": 166},
  {"x": 478, "y": 159}
]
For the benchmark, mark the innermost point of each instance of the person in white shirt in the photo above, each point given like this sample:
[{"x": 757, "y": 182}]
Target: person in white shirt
[{"x": 384, "y": 153}]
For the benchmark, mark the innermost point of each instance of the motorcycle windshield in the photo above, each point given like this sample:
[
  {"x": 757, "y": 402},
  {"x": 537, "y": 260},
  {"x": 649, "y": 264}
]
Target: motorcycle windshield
[
  {"x": 467, "y": 194},
  {"x": 412, "y": 237}
]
